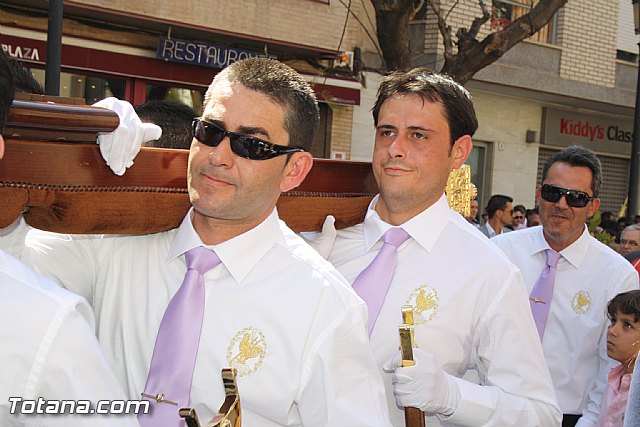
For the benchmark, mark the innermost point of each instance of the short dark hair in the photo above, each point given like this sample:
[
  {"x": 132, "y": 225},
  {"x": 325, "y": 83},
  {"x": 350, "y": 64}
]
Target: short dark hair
[
  {"x": 7, "y": 91},
  {"x": 432, "y": 87},
  {"x": 497, "y": 202},
  {"x": 174, "y": 118},
  {"x": 606, "y": 216},
  {"x": 533, "y": 211},
  {"x": 578, "y": 156},
  {"x": 520, "y": 208},
  {"x": 283, "y": 85},
  {"x": 626, "y": 303}
]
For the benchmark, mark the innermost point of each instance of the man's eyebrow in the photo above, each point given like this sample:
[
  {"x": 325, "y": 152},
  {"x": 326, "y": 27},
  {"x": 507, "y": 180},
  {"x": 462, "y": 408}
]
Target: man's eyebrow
[
  {"x": 254, "y": 130},
  {"x": 422, "y": 128},
  {"x": 249, "y": 130},
  {"x": 414, "y": 127},
  {"x": 383, "y": 126}
]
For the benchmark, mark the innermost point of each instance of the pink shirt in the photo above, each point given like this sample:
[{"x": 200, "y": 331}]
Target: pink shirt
[{"x": 615, "y": 401}]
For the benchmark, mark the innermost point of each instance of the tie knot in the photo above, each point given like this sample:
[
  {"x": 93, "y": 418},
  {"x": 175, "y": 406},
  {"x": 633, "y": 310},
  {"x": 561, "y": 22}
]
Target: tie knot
[
  {"x": 552, "y": 258},
  {"x": 395, "y": 237},
  {"x": 201, "y": 259}
]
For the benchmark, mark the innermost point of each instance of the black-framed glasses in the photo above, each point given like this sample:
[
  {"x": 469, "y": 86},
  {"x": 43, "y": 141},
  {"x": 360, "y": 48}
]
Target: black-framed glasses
[
  {"x": 574, "y": 198},
  {"x": 518, "y": 217},
  {"x": 242, "y": 145}
]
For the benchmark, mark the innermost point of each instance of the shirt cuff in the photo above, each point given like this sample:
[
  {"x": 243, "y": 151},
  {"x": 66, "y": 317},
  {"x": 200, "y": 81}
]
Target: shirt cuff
[{"x": 476, "y": 404}]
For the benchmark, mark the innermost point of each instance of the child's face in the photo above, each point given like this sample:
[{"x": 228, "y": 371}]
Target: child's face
[{"x": 623, "y": 338}]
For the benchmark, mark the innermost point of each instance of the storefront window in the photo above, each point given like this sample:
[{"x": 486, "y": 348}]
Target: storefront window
[
  {"x": 321, "y": 144},
  {"x": 191, "y": 97},
  {"x": 477, "y": 163},
  {"x": 91, "y": 88},
  {"x": 506, "y": 11}
]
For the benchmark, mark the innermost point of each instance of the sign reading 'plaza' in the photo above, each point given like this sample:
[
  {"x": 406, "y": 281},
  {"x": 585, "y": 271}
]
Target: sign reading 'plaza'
[
  {"x": 564, "y": 128},
  {"x": 200, "y": 53}
]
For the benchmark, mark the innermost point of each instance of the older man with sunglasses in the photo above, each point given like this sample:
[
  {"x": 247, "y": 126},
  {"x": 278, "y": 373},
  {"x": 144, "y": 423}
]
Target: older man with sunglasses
[
  {"x": 571, "y": 277},
  {"x": 254, "y": 297}
]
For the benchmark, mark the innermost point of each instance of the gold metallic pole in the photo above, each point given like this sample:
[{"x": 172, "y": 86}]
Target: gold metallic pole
[{"x": 413, "y": 417}]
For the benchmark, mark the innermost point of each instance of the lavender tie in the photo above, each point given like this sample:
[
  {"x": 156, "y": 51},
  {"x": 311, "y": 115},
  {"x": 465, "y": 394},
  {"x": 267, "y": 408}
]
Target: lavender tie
[
  {"x": 174, "y": 355},
  {"x": 373, "y": 283},
  {"x": 542, "y": 293}
]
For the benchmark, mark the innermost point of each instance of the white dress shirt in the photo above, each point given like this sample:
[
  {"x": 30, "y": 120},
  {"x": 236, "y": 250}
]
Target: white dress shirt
[
  {"x": 12, "y": 237},
  {"x": 274, "y": 309},
  {"x": 589, "y": 274},
  {"x": 49, "y": 350},
  {"x": 471, "y": 312}
]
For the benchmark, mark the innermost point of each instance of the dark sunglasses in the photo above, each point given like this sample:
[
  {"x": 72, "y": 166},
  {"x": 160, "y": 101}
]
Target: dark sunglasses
[
  {"x": 518, "y": 217},
  {"x": 574, "y": 198},
  {"x": 242, "y": 145}
]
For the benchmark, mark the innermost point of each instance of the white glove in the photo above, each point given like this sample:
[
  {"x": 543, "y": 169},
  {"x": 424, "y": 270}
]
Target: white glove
[
  {"x": 323, "y": 242},
  {"x": 424, "y": 386},
  {"x": 119, "y": 147}
]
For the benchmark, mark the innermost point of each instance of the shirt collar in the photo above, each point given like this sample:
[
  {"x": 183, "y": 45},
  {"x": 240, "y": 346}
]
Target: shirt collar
[
  {"x": 490, "y": 229},
  {"x": 239, "y": 254},
  {"x": 574, "y": 253},
  {"x": 618, "y": 379},
  {"x": 436, "y": 216}
]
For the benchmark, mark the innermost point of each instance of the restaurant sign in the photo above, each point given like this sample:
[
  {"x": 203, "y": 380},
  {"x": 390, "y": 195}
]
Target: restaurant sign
[{"x": 201, "y": 53}]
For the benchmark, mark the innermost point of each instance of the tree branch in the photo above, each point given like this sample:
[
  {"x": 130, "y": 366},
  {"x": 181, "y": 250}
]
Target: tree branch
[
  {"x": 479, "y": 22},
  {"x": 445, "y": 30}
]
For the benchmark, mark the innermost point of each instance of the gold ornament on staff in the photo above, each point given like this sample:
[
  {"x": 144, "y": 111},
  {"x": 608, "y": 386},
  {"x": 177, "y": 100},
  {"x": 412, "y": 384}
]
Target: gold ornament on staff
[
  {"x": 460, "y": 190},
  {"x": 229, "y": 413}
]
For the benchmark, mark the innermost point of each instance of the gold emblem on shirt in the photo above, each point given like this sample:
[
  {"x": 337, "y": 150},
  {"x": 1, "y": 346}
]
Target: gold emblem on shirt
[
  {"x": 581, "y": 302},
  {"x": 425, "y": 304},
  {"x": 246, "y": 351}
]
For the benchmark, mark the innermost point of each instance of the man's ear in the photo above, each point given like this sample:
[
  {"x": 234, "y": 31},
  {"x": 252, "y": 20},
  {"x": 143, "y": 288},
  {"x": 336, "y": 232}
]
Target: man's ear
[
  {"x": 296, "y": 170},
  {"x": 595, "y": 205},
  {"x": 1, "y": 147},
  {"x": 461, "y": 150}
]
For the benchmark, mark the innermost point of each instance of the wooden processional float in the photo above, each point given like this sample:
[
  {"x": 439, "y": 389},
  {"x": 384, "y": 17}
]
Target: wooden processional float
[{"x": 53, "y": 174}]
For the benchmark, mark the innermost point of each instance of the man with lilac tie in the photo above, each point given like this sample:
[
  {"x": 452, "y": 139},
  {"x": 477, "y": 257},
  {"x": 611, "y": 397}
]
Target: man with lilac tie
[
  {"x": 570, "y": 307},
  {"x": 471, "y": 310},
  {"x": 233, "y": 285}
]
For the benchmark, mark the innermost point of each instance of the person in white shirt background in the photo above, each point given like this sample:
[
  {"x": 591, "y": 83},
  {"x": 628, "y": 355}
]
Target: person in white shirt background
[
  {"x": 470, "y": 304},
  {"x": 588, "y": 275},
  {"x": 275, "y": 310},
  {"x": 49, "y": 351}
]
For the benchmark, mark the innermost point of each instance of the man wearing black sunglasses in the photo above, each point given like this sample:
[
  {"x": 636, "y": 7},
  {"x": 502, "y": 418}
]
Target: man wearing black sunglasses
[
  {"x": 269, "y": 306},
  {"x": 587, "y": 274}
]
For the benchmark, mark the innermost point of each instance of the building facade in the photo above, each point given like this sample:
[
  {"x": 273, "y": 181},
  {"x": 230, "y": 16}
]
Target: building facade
[
  {"x": 573, "y": 82},
  {"x": 152, "y": 49}
]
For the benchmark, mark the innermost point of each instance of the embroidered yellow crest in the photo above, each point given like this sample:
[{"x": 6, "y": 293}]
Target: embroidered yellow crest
[
  {"x": 581, "y": 302},
  {"x": 425, "y": 304},
  {"x": 246, "y": 351}
]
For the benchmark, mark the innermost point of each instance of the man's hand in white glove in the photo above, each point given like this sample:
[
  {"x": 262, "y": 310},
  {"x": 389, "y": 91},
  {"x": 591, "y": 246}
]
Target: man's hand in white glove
[
  {"x": 323, "y": 242},
  {"x": 424, "y": 386},
  {"x": 119, "y": 147}
]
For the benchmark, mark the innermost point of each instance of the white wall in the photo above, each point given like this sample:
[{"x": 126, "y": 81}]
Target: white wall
[
  {"x": 627, "y": 40},
  {"x": 503, "y": 123}
]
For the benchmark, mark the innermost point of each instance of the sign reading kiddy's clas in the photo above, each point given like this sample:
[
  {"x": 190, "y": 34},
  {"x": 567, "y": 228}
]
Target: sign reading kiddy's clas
[
  {"x": 601, "y": 133},
  {"x": 201, "y": 53}
]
